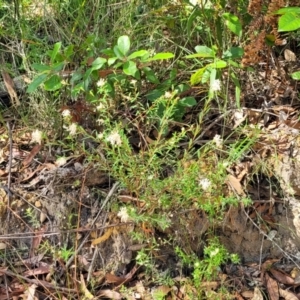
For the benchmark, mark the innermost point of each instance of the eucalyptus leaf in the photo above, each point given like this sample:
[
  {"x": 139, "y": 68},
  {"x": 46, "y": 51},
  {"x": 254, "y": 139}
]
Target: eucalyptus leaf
[{"x": 36, "y": 83}]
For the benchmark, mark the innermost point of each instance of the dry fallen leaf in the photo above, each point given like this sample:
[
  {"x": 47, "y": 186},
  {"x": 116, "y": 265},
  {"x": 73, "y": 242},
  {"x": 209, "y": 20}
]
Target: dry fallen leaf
[
  {"x": 289, "y": 55},
  {"x": 257, "y": 294},
  {"x": 10, "y": 86},
  {"x": 272, "y": 287},
  {"x": 235, "y": 184},
  {"x": 287, "y": 295},
  {"x": 110, "y": 294},
  {"x": 282, "y": 277},
  {"x": 35, "y": 150}
]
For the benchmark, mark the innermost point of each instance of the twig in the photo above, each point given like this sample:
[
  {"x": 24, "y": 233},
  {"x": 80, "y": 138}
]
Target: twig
[
  {"x": 38, "y": 282},
  {"x": 109, "y": 195}
]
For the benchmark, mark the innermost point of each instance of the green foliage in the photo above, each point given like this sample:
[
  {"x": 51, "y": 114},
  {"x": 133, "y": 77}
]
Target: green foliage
[
  {"x": 290, "y": 19},
  {"x": 207, "y": 268}
]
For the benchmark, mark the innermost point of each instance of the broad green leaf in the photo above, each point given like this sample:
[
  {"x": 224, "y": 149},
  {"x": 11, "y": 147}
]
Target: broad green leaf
[
  {"x": 98, "y": 63},
  {"x": 219, "y": 64},
  {"x": 188, "y": 101},
  {"x": 233, "y": 53},
  {"x": 233, "y": 23},
  {"x": 150, "y": 75},
  {"x": 54, "y": 52},
  {"x": 205, "y": 51},
  {"x": 296, "y": 75},
  {"x": 111, "y": 60},
  {"x": 289, "y": 22},
  {"x": 41, "y": 68},
  {"x": 161, "y": 56},
  {"x": 53, "y": 83},
  {"x": 206, "y": 75},
  {"x": 36, "y": 83},
  {"x": 140, "y": 53},
  {"x": 118, "y": 52},
  {"x": 197, "y": 76},
  {"x": 285, "y": 10},
  {"x": 129, "y": 68},
  {"x": 124, "y": 44}
]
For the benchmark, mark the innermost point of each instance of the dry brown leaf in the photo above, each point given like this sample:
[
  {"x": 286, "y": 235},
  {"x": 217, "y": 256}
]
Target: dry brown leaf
[
  {"x": 282, "y": 277},
  {"x": 29, "y": 293},
  {"x": 38, "y": 235},
  {"x": 272, "y": 287},
  {"x": 111, "y": 278},
  {"x": 35, "y": 150},
  {"x": 10, "y": 86},
  {"x": 287, "y": 295},
  {"x": 110, "y": 294},
  {"x": 235, "y": 184},
  {"x": 289, "y": 55},
  {"x": 43, "y": 268},
  {"x": 257, "y": 294}
]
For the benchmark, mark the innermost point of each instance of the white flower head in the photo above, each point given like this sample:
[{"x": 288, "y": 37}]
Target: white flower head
[
  {"x": 205, "y": 183},
  {"x": 123, "y": 214},
  {"x": 216, "y": 85},
  {"x": 66, "y": 113},
  {"x": 36, "y": 136},
  {"x": 100, "y": 106},
  {"x": 214, "y": 252},
  {"x": 218, "y": 141},
  {"x": 114, "y": 138},
  {"x": 100, "y": 121},
  {"x": 72, "y": 128},
  {"x": 133, "y": 81},
  {"x": 61, "y": 161},
  {"x": 101, "y": 82},
  {"x": 100, "y": 136},
  {"x": 168, "y": 95}
]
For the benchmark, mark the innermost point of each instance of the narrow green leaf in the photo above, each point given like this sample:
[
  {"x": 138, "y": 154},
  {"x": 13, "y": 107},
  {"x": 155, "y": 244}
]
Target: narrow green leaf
[
  {"x": 205, "y": 51},
  {"x": 54, "y": 52},
  {"x": 289, "y": 22},
  {"x": 150, "y": 75},
  {"x": 124, "y": 44},
  {"x": 161, "y": 56},
  {"x": 140, "y": 53},
  {"x": 233, "y": 23},
  {"x": 58, "y": 66},
  {"x": 219, "y": 64},
  {"x": 129, "y": 68},
  {"x": 69, "y": 51},
  {"x": 53, "y": 83},
  {"x": 197, "y": 76},
  {"x": 36, "y": 83},
  {"x": 41, "y": 68}
]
